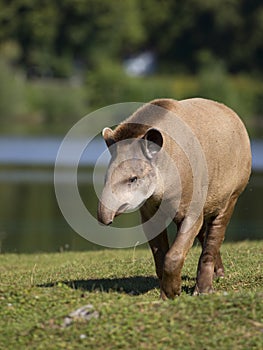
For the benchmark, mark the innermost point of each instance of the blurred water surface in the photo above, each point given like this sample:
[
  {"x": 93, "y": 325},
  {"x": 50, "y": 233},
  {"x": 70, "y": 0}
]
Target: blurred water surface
[{"x": 31, "y": 221}]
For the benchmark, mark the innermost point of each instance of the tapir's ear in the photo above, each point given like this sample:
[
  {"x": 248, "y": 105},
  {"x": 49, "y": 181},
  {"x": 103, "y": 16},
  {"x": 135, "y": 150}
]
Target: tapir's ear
[
  {"x": 153, "y": 143},
  {"x": 108, "y": 136}
]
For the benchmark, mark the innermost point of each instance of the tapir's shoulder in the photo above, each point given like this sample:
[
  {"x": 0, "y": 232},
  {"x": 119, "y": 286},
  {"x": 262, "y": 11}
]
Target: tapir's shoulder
[{"x": 146, "y": 116}]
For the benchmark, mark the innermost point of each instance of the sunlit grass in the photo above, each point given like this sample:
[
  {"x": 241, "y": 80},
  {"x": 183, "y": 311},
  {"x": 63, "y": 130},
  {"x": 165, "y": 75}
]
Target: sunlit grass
[{"x": 38, "y": 291}]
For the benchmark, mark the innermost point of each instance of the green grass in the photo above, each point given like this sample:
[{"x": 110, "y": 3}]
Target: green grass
[{"x": 38, "y": 291}]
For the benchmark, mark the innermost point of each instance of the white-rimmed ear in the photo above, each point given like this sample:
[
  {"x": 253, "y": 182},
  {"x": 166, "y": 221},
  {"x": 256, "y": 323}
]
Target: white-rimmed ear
[
  {"x": 108, "y": 136},
  {"x": 153, "y": 143}
]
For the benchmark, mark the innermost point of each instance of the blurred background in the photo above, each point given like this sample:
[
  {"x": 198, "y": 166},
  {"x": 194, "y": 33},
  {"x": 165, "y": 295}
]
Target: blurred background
[{"x": 60, "y": 60}]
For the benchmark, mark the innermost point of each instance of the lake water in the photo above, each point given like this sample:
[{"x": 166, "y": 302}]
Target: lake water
[{"x": 31, "y": 221}]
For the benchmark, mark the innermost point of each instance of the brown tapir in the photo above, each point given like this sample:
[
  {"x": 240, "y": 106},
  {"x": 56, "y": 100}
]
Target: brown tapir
[{"x": 186, "y": 160}]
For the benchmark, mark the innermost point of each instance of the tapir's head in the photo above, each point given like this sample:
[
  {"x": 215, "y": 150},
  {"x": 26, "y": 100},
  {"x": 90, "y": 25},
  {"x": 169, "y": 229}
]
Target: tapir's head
[{"x": 131, "y": 177}]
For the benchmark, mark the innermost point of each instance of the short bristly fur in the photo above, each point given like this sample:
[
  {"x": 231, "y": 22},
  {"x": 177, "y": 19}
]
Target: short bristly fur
[{"x": 139, "y": 174}]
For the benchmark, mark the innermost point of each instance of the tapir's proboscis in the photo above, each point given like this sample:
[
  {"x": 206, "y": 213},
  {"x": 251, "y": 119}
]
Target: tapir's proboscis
[{"x": 187, "y": 161}]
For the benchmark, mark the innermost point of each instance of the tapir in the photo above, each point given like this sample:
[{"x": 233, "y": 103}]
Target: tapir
[{"x": 187, "y": 161}]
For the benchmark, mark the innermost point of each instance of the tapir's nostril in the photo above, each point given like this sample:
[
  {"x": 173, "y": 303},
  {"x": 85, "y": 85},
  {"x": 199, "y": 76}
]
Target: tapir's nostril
[{"x": 105, "y": 223}]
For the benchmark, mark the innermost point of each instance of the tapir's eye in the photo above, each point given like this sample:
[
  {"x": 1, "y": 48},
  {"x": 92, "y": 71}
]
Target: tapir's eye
[{"x": 133, "y": 179}]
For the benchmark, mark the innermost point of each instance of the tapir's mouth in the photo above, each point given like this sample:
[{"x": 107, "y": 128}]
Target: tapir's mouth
[
  {"x": 106, "y": 216},
  {"x": 122, "y": 209}
]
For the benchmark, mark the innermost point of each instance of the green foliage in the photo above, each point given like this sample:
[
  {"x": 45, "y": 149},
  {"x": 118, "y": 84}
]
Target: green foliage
[
  {"x": 49, "y": 33},
  {"x": 57, "y": 105},
  {"x": 39, "y": 290},
  {"x": 239, "y": 93},
  {"x": 38, "y": 106},
  {"x": 53, "y": 106},
  {"x": 229, "y": 30},
  {"x": 82, "y": 31},
  {"x": 109, "y": 84},
  {"x": 11, "y": 94},
  {"x": 207, "y": 48}
]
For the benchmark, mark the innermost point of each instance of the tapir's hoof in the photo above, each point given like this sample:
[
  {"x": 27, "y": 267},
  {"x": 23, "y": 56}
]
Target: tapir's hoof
[
  {"x": 170, "y": 292},
  {"x": 163, "y": 295},
  {"x": 171, "y": 296},
  {"x": 204, "y": 290},
  {"x": 219, "y": 274}
]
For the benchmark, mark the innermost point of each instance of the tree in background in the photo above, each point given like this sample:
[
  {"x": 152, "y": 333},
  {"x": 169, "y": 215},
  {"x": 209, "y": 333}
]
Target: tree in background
[
  {"x": 54, "y": 37},
  {"x": 69, "y": 55}
]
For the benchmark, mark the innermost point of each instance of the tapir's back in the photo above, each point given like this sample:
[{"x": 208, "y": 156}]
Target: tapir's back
[
  {"x": 223, "y": 139},
  {"x": 220, "y": 132}
]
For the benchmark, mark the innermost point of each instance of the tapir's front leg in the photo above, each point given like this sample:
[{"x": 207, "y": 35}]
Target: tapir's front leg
[
  {"x": 159, "y": 244},
  {"x": 175, "y": 257}
]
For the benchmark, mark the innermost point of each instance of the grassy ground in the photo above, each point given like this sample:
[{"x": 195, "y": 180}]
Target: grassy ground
[{"x": 37, "y": 293}]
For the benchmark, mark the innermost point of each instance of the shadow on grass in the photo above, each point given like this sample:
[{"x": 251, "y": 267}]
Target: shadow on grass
[{"x": 134, "y": 285}]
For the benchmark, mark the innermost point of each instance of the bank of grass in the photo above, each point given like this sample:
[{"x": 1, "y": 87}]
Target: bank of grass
[{"x": 38, "y": 291}]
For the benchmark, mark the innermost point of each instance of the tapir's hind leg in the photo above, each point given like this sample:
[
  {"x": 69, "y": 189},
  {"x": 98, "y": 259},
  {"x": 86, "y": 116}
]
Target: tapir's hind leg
[
  {"x": 210, "y": 253},
  {"x": 219, "y": 268}
]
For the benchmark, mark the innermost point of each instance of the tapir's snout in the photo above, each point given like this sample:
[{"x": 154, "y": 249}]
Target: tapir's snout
[{"x": 105, "y": 216}]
